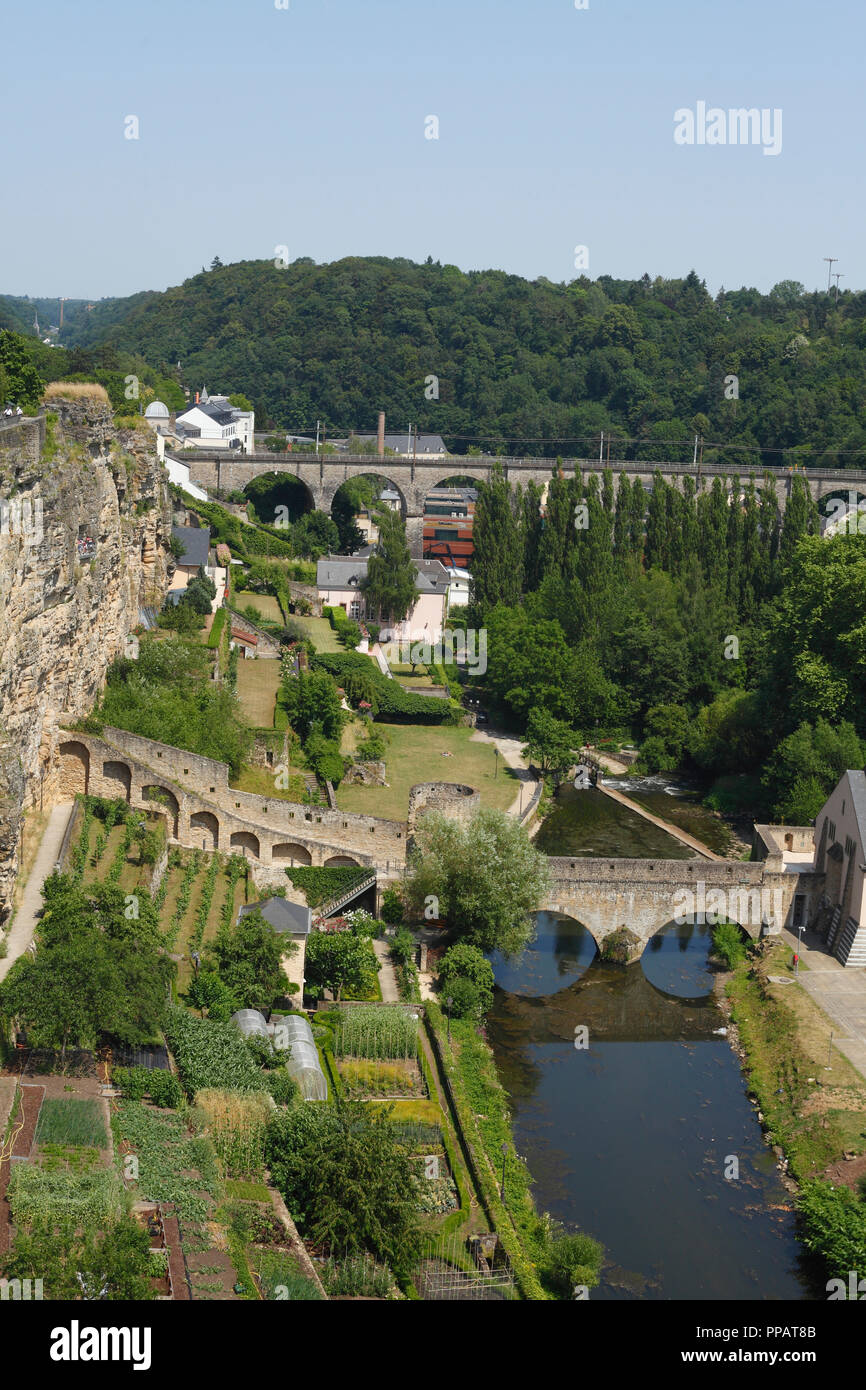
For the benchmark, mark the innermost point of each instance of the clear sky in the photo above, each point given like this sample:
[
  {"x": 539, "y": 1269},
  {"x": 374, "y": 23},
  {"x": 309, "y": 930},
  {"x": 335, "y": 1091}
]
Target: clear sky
[{"x": 305, "y": 127}]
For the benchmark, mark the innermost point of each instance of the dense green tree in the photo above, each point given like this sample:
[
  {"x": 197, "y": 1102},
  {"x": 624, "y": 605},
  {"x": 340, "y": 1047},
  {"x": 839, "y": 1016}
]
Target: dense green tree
[
  {"x": 247, "y": 956},
  {"x": 550, "y": 743},
  {"x": 341, "y": 961},
  {"x": 347, "y": 1179},
  {"x": 486, "y": 876},
  {"x": 497, "y": 560},
  {"x": 389, "y": 587}
]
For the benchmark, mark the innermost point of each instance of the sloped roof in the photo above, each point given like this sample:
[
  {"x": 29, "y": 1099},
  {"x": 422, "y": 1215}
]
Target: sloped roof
[
  {"x": 857, "y": 783},
  {"x": 284, "y": 916},
  {"x": 349, "y": 572},
  {"x": 196, "y": 544}
]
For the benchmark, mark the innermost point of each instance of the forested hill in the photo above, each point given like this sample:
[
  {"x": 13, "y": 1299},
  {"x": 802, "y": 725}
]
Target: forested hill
[{"x": 528, "y": 366}]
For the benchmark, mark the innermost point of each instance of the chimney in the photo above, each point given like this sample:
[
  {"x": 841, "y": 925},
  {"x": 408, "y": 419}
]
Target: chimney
[
  {"x": 196, "y": 397},
  {"x": 380, "y": 437}
]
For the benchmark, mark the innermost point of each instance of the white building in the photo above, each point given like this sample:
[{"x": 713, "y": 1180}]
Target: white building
[
  {"x": 212, "y": 422},
  {"x": 459, "y": 581}
]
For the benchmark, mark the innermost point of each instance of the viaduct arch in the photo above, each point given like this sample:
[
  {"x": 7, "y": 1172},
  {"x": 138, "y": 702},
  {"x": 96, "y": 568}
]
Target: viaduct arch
[{"x": 413, "y": 478}]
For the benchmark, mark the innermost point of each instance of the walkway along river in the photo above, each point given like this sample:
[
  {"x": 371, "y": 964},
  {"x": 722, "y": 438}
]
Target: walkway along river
[{"x": 644, "y": 1137}]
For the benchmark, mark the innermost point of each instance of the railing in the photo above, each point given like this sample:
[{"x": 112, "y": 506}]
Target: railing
[{"x": 329, "y": 908}]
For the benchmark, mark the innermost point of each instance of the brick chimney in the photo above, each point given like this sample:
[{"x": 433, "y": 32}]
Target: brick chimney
[{"x": 380, "y": 436}]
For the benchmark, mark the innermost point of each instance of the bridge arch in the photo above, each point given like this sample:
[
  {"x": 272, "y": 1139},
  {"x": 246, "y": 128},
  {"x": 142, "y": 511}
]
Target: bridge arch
[
  {"x": 290, "y": 853},
  {"x": 119, "y": 777},
  {"x": 163, "y": 796},
  {"x": 207, "y": 823},
  {"x": 352, "y": 471},
  {"x": 74, "y": 768},
  {"x": 279, "y": 488},
  {"x": 246, "y": 842},
  {"x": 337, "y": 861}
]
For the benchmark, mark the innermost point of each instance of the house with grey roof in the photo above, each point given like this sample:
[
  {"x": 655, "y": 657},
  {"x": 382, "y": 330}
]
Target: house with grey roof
[
  {"x": 293, "y": 922},
  {"x": 212, "y": 422},
  {"x": 340, "y": 581},
  {"x": 840, "y": 854},
  {"x": 196, "y": 551}
]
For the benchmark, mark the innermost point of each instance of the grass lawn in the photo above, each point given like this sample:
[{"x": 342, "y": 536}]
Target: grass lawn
[
  {"x": 260, "y": 781},
  {"x": 265, "y": 605},
  {"x": 321, "y": 632},
  {"x": 413, "y": 754},
  {"x": 258, "y": 683},
  {"x": 405, "y": 675}
]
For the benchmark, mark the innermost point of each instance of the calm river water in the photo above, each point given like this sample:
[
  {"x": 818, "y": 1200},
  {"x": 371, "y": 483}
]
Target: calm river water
[{"x": 630, "y": 1138}]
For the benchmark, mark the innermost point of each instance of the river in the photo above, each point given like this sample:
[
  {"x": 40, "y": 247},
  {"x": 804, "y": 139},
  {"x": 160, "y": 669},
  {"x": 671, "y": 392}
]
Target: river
[{"x": 644, "y": 1138}]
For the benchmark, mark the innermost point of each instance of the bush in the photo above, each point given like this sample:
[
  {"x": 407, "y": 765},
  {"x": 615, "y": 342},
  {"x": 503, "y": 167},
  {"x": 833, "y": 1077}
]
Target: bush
[
  {"x": 573, "y": 1260},
  {"x": 281, "y": 1087},
  {"x": 403, "y": 946},
  {"x": 465, "y": 998},
  {"x": 833, "y": 1223},
  {"x": 392, "y": 906},
  {"x": 463, "y": 961},
  {"x": 728, "y": 943},
  {"x": 165, "y": 1089}
]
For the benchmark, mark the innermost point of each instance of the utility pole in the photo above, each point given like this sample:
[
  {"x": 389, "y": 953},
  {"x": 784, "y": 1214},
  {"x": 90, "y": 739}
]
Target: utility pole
[
  {"x": 317, "y": 436},
  {"x": 601, "y": 448},
  {"x": 837, "y": 276},
  {"x": 831, "y": 259}
]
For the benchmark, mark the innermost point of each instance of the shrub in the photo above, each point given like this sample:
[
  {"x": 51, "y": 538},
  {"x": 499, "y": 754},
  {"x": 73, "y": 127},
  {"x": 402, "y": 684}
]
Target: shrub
[
  {"x": 728, "y": 943},
  {"x": 833, "y": 1223},
  {"x": 392, "y": 906},
  {"x": 281, "y": 1086},
  {"x": 463, "y": 961},
  {"x": 165, "y": 1089},
  {"x": 465, "y": 998},
  {"x": 573, "y": 1260},
  {"x": 619, "y": 946}
]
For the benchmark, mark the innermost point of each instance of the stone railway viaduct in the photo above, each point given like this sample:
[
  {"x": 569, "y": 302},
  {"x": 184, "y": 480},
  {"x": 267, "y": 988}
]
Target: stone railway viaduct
[
  {"x": 323, "y": 474},
  {"x": 203, "y": 812}
]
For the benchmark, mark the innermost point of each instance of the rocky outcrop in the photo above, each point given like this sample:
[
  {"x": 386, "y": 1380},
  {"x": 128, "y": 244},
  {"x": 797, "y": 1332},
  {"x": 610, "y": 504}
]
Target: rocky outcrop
[{"x": 84, "y": 527}]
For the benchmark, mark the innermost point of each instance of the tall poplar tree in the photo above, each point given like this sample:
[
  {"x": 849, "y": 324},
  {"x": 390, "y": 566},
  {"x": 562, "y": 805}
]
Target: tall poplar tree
[{"x": 497, "y": 559}]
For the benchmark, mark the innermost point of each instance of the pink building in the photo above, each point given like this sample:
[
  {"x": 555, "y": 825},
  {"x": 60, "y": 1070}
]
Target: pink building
[{"x": 340, "y": 578}]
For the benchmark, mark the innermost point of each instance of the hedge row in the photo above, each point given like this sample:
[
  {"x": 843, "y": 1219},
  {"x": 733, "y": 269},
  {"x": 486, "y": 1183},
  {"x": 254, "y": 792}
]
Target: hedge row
[
  {"x": 520, "y": 1209},
  {"x": 216, "y": 631},
  {"x": 392, "y": 701}
]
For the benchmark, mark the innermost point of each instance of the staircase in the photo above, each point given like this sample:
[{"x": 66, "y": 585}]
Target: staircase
[
  {"x": 851, "y": 945},
  {"x": 343, "y": 899}
]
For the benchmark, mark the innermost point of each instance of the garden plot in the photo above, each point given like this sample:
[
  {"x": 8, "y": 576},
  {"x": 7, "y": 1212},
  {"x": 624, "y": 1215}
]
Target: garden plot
[{"x": 377, "y": 1053}]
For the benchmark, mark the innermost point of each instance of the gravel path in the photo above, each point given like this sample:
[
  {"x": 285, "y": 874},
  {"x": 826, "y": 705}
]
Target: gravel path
[{"x": 21, "y": 932}]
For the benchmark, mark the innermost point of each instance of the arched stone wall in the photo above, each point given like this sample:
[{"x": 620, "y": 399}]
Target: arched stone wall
[
  {"x": 74, "y": 769},
  {"x": 117, "y": 779},
  {"x": 246, "y": 842},
  {"x": 204, "y": 825},
  {"x": 290, "y": 854},
  {"x": 158, "y": 798}
]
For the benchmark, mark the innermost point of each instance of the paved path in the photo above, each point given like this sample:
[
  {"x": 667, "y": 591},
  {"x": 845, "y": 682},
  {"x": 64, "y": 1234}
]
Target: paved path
[
  {"x": 837, "y": 989},
  {"x": 510, "y": 746},
  {"x": 21, "y": 932},
  {"x": 387, "y": 978}
]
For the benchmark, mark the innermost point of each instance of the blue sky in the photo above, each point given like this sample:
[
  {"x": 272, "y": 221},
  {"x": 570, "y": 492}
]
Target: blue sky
[{"x": 305, "y": 128}]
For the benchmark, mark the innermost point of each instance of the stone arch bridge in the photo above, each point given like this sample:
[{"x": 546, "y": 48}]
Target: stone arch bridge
[
  {"x": 646, "y": 895},
  {"x": 323, "y": 474}
]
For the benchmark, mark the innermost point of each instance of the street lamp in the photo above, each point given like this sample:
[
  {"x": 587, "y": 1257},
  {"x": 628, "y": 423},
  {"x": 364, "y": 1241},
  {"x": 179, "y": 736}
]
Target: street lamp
[
  {"x": 496, "y": 751},
  {"x": 449, "y": 1001},
  {"x": 502, "y": 1189}
]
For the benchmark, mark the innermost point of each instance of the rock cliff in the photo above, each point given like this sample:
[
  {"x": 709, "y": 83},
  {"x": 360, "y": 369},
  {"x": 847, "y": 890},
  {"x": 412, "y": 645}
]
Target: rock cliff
[{"x": 84, "y": 528}]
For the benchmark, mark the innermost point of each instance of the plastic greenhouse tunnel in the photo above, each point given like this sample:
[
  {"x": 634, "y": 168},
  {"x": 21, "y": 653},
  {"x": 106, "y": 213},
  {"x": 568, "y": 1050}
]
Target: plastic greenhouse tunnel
[{"x": 294, "y": 1035}]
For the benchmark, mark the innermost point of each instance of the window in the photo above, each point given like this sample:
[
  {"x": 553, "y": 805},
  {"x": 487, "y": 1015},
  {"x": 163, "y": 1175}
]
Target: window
[
  {"x": 799, "y": 904},
  {"x": 849, "y": 845},
  {"x": 831, "y": 829}
]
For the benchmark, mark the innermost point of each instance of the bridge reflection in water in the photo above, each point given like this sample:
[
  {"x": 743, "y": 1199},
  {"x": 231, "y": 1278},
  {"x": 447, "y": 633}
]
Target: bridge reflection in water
[{"x": 630, "y": 1141}]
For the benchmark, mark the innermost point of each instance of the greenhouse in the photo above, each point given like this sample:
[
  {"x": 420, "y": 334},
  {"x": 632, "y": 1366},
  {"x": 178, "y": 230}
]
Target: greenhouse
[
  {"x": 294, "y": 1035},
  {"x": 251, "y": 1023}
]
